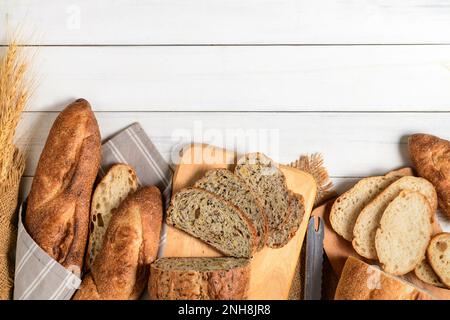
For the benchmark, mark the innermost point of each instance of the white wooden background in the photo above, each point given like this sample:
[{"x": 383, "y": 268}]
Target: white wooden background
[{"x": 348, "y": 78}]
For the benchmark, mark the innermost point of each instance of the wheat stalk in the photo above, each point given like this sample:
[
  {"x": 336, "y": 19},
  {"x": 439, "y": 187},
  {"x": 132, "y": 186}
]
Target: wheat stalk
[{"x": 14, "y": 94}]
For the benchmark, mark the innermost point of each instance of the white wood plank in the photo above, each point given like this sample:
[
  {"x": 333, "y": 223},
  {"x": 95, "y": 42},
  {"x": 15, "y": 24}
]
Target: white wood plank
[
  {"x": 229, "y": 21},
  {"x": 353, "y": 144},
  {"x": 244, "y": 78}
]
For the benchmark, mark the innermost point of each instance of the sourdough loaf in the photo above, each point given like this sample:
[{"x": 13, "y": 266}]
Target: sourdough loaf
[
  {"x": 213, "y": 220},
  {"x": 57, "y": 216},
  {"x": 264, "y": 177},
  {"x": 404, "y": 233},
  {"x": 361, "y": 281},
  {"x": 230, "y": 187},
  {"x": 199, "y": 279},
  {"x": 121, "y": 268},
  {"x": 119, "y": 181},
  {"x": 438, "y": 254},
  {"x": 369, "y": 219}
]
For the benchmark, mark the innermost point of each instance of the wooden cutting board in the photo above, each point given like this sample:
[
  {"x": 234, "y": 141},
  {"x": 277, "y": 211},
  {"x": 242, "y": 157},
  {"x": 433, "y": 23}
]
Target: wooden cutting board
[{"x": 272, "y": 270}]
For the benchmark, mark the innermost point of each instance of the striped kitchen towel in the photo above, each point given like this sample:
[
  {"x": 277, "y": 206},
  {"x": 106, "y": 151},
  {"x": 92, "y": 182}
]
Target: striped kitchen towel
[{"x": 38, "y": 276}]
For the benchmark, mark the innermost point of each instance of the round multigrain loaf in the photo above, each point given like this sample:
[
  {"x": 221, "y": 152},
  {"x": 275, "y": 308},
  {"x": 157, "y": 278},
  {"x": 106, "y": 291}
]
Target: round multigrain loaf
[
  {"x": 361, "y": 281},
  {"x": 404, "y": 233},
  {"x": 199, "y": 279},
  {"x": 438, "y": 254},
  {"x": 369, "y": 219}
]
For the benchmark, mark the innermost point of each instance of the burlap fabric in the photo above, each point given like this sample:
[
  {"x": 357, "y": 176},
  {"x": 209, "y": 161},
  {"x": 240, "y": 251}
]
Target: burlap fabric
[{"x": 9, "y": 190}]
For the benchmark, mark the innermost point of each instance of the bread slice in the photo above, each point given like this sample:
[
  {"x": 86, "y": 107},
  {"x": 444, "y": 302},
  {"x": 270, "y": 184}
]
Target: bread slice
[
  {"x": 404, "y": 233},
  {"x": 264, "y": 177},
  {"x": 369, "y": 218},
  {"x": 438, "y": 254},
  {"x": 213, "y": 220},
  {"x": 230, "y": 187},
  {"x": 426, "y": 273},
  {"x": 199, "y": 279},
  {"x": 119, "y": 181},
  {"x": 287, "y": 230},
  {"x": 361, "y": 281},
  {"x": 348, "y": 206}
]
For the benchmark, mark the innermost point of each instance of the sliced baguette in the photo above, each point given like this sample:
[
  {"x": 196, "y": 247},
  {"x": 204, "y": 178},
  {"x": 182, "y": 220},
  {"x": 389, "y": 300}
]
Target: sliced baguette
[
  {"x": 199, "y": 279},
  {"x": 369, "y": 219},
  {"x": 264, "y": 178},
  {"x": 116, "y": 185},
  {"x": 287, "y": 230},
  {"x": 404, "y": 233},
  {"x": 348, "y": 206},
  {"x": 213, "y": 220},
  {"x": 426, "y": 273},
  {"x": 230, "y": 187},
  {"x": 438, "y": 254},
  {"x": 361, "y": 281}
]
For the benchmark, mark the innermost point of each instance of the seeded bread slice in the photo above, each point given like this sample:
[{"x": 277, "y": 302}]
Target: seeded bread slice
[
  {"x": 438, "y": 254},
  {"x": 264, "y": 178},
  {"x": 230, "y": 187},
  {"x": 404, "y": 233},
  {"x": 348, "y": 206},
  {"x": 199, "y": 279},
  {"x": 426, "y": 273},
  {"x": 115, "y": 186},
  {"x": 369, "y": 219},
  {"x": 287, "y": 230},
  {"x": 213, "y": 220}
]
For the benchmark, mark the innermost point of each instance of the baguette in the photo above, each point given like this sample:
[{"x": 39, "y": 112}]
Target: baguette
[
  {"x": 121, "y": 268},
  {"x": 438, "y": 254},
  {"x": 57, "y": 216}
]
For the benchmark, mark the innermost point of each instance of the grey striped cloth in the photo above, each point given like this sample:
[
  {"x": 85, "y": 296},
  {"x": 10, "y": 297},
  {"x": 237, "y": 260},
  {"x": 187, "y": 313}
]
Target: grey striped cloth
[{"x": 38, "y": 276}]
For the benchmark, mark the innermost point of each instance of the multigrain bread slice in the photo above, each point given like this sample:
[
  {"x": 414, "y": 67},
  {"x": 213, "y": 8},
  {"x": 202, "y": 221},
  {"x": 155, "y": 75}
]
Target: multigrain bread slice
[
  {"x": 116, "y": 185},
  {"x": 361, "y": 281},
  {"x": 199, "y": 279},
  {"x": 404, "y": 233},
  {"x": 369, "y": 218},
  {"x": 438, "y": 254},
  {"x": 426, "y": 273},
  {"x": 213, "y": 220},
  {"x": 287, "y": 230},
  {"x": 348, "y": 206},
  {"x": 230, "y": 187},
  {"x": 264, "y": 177}
]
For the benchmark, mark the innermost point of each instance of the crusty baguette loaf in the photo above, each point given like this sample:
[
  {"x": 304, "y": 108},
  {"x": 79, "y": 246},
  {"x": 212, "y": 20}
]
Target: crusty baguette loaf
[
  {"x": 361, "y": 281},
  {"x": 369, "y": 218},
  {"x": 199, "y": 279},
  {"x": 438, "y": 254},
  {"x": 268, "y": 182},
  {"x": 431, "y": 157},
  {"x": 217, "y": 222},
  {"x": 230, "y": 187},
  {"x": 119, "y": 181},
  {"x": 57, "y": 216},
  {"x": 286, "y": 231},
  {"x": 121, "y": 268},
  {"x": 404, "y": 233},
  {"x": 348, "y": 206},
  {"x": 426, "y": 273}
]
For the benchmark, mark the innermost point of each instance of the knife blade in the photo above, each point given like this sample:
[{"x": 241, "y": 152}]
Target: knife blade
[{"x": 314, "y": 259}]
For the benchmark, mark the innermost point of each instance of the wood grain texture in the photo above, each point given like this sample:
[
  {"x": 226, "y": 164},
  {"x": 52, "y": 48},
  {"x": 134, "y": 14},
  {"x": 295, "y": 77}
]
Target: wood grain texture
[
  {"x": 244, "y": 78},
  {"x": 272, "y": 270},
  {"x": 230, "y": 21}
]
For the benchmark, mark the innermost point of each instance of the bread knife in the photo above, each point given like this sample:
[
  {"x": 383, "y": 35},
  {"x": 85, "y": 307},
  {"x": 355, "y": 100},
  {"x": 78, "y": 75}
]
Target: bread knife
[{"x": 314, "y": 259}]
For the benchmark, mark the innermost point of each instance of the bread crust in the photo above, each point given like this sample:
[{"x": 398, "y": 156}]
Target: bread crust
[
  {"x": 431, "y": 157},
  {"x": 120, "y": 270},
  {"x": 199, "y": 285},
  {"x": 57, "y": 216},
  {"x": 361, "y": 281}
]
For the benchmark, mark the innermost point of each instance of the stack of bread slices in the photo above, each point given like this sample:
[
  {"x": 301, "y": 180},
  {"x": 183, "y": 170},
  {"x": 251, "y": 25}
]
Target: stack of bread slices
[
  {"x": 238, "y": 213},
  {"x": 392, "y": 219}
]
